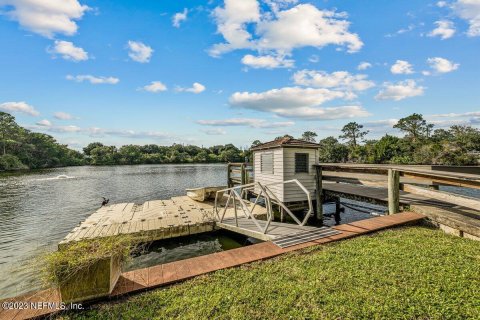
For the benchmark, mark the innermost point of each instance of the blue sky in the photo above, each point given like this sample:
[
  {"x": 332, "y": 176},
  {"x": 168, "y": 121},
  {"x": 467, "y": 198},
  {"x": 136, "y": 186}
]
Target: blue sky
[{"x": 218, "y": 72}]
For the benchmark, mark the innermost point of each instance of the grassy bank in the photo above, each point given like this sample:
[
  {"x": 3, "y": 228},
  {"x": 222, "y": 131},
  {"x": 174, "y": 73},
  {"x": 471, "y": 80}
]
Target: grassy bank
[{"x": 410, "y": 273}]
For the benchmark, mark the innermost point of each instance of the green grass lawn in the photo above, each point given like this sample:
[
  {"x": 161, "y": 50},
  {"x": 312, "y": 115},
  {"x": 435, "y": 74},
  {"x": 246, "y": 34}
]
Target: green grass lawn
[{"x": 407, "y": 273}]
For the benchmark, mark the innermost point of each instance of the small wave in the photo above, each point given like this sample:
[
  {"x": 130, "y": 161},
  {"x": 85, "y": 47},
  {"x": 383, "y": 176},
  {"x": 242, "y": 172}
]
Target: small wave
[{"x": 60, "y": 177}]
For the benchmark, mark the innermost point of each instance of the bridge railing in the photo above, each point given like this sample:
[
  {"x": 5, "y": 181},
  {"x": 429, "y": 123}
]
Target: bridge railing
[
  {"x": 413, "y": 179},
  {"x": 236, "y": 195}
]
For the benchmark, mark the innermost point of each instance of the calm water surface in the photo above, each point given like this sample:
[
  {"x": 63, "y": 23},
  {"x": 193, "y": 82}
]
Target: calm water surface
[{"x": 37, "y": 209}]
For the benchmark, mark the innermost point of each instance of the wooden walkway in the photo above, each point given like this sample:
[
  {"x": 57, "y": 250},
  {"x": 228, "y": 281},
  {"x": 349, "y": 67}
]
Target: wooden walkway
[
  {"x": 161, "y": 275},
  {"x": 158, "y": 219},
  {"x": 275, "y": 230},
  {"x": 377, "y": 195}
]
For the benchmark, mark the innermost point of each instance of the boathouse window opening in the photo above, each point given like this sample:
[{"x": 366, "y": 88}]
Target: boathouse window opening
[
  {"x": 266, "y": 163},
  {"x": 301, "y": 162}
]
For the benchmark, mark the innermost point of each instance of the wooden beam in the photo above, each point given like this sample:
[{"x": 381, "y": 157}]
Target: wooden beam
[
  {"x": 459, "y": 200},
  {"x": 393, "y": 191},
  {"x": 319, "y": 193}
]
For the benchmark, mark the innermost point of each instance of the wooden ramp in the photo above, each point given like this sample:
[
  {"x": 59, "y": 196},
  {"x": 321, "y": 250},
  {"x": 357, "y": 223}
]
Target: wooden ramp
[{"x": 282, "y": 234}]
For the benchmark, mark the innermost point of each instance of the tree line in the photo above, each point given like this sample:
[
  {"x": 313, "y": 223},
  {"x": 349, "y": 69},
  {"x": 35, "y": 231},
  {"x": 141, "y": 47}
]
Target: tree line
[
  {"x": 24, "y": 149},
  {"x": 421, "y": 144}
]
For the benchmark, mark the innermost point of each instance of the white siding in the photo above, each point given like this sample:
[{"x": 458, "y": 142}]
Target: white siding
[
  {"x": 291, "y": 191},
  {"x": 277, "y": 175}
]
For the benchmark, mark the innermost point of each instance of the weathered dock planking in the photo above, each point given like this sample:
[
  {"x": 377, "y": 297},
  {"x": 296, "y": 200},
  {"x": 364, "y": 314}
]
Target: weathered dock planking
[{"x": 157, "y": 219}]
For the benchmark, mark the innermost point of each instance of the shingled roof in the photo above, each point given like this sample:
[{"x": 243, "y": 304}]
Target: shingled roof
[{"x": 286, "y": 142}]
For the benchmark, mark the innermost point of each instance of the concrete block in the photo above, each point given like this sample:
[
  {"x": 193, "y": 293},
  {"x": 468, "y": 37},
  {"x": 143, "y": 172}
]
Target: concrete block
[
  {"x": 450, "y": 230},
  {"x": 94, "y": 282}
]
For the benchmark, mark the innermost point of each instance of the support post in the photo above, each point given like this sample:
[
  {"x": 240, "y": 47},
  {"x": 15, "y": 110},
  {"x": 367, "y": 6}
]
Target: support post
[
  {"x": 319, "y": 194},
  {"x": 229, "y": 178},
  {"x": 338, "y": 210},
  {"x": 393, "y": 191}
]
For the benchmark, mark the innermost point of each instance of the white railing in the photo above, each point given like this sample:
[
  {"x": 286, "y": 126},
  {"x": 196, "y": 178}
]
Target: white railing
[{"x": 264, "y": 192}]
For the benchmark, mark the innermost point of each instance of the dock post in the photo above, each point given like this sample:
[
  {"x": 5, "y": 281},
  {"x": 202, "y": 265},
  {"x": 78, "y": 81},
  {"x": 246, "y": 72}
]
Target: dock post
[
  {"x": 393, "y": 191},
  {"x": 229, "y": 178},
  {"x": 319, "y": 194},
  {"x": 338, "y": 210}
]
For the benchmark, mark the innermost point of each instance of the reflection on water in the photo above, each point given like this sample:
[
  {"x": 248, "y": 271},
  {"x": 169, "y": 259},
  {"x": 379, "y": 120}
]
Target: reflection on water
[
  {"x": 37, "y": 209},
  {"x": 170, "y": 250}
]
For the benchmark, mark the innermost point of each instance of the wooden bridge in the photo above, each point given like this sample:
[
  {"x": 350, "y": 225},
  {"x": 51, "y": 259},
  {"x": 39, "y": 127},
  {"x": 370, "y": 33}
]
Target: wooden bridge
[{"x": 401, "y": 187}]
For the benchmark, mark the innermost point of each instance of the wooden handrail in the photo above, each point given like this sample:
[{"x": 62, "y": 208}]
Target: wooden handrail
[{"x": 447, "y": 178}]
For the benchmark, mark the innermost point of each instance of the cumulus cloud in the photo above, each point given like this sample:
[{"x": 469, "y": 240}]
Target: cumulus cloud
[
  {"x": 68, "y": 51},
  {"x": 246, "y": 122},
  {"x": 46, "y": 18},
  {"x": 442, "y": 65},
  {"x": 196, "y": 88},
  {"x": 339, "y": 80},
  {"x": 401, "y": 67},
  {"x": 155, "y": 87},
  {"x": 267, "y": 61},
  {"x": 244, "y": 26},
  {"x": 44, "y": 123},
  {"x": 139, "y": 51},
  {"x": 469, "y": 10},
  {"x": 20, "y": 106},
  {"x": 400, "y": 90},
  {"x": 63, "y": 116},
  {"x": 445, "y": 29},
  {"x": 93, "y": 79},
  {"x": 296, "y": 102},
  {"x": 179, "y": 17},
  {"x": 364, "y": 65}
]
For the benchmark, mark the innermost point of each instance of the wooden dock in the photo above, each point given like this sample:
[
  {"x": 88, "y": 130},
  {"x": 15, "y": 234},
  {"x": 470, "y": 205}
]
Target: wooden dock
[
  {"x": 153, "y": 277},
  {"x": 156, "y": 220}
]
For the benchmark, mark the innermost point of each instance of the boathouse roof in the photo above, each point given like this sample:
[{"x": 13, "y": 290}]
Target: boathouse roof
[{"x": 286, "y": 142}]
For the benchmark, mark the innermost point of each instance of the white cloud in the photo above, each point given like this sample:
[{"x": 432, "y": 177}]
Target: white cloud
[
  {"x": 45, "y": 17},
  {"x": 401, "y": 67},
  {"x": 44, "y": 123},
  {"x": 442, "y": 65},
  {"x": 364, "y": 65},
  {"x": 400, "y": 90},
  {"x": 314, "y": 58},
  {"x": 243, "y": 26},
  {"x": 339, "y": 79},
  {"x": 445, "y": 29},
  {"x": 19, "y": 106},
  {"x": 179, "y": 17},
  {"x": 64, "y": 129},
  {"x": 68, "y": 51},
  {"x": 247, "y": 122},
  {"x": 456, "y": 115},
  {"x": 63, "y": 116},
  {"x": 296, "y": 102},
  {"x": 155, "y": 86},
  {"x": 441, "y": 4},
  {"x": 267, "y": 61},
  {"x": 139, "y": 51},
  {"x": 93, "y": 79},
  {"x": 214, "y": 132},
  {"x": 196, "y": 88},
  {"x": 469, "y": 10}
]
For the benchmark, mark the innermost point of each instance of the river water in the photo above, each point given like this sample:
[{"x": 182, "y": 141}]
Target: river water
[{"x": 37, "y": 209}]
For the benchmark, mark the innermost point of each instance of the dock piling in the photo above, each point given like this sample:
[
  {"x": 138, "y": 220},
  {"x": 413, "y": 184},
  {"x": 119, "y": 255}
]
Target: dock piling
[{"x": 393, "y": 191}]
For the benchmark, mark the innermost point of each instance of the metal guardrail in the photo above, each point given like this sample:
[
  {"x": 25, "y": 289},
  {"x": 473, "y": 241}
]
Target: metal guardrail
[{"x": 235, "y": 196}]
